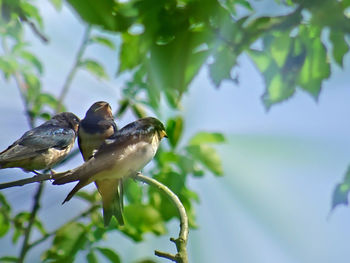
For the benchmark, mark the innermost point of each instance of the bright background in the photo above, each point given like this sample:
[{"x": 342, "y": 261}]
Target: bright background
[{"x": 280, "y": 167}]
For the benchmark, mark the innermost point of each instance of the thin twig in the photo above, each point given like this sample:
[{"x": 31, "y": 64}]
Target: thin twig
[
  {"x": 181, "y": 241},
  {"x": 74, "y": 68},
  {"x": 35, "y": 30},
  {"x": 35, "y": 209}
]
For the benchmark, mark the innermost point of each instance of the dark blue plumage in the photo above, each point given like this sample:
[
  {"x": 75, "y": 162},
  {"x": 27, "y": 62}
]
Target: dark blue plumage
[{"x": 43, "y": 146}]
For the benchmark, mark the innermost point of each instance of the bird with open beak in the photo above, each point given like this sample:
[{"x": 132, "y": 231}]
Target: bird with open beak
[
  {"x": 122, "y": 155},
  {"x": 44, "y": 146},
  {"x": 94, "y": 129}
]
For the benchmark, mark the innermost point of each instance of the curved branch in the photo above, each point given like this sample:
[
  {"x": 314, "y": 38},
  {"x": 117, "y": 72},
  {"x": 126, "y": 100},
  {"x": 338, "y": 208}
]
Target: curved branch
[{"x": 181, "y": 241}]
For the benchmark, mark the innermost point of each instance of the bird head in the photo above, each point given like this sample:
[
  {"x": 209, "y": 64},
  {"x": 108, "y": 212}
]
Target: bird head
[
  {"x": 66, "y": 119},
  {"x": 150, "y": 125},
  {"x": 100, "y": 109}
]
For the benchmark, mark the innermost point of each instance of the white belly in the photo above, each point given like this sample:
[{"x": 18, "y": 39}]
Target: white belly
[{"x": 133, "y": 160}]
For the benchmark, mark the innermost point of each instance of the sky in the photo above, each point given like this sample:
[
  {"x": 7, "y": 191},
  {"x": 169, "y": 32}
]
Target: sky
[{"x": 280, "y": 167}]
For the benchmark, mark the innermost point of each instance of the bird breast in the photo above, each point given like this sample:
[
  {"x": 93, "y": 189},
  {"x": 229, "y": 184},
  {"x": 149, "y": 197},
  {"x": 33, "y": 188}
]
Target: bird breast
[{"x": 132, "y": 160}]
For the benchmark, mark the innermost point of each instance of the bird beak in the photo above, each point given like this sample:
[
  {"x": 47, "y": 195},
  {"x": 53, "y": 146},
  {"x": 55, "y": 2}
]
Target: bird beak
[{"x": 163, "y": 134}]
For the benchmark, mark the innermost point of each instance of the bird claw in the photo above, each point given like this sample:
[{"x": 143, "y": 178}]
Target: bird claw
[
  {"x": 135, "y": 175},
  {"x": 52, "y": 173}
]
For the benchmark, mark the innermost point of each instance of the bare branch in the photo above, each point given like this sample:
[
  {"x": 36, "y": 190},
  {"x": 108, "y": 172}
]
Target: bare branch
[
  {"x": 165, "y": 255},
  {"x": 181, "y": 241},
  {"x": 35, "y": 179}
]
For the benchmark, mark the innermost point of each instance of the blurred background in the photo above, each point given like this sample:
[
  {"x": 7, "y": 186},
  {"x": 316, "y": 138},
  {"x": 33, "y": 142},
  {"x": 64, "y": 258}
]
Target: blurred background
[{"x": 280, "y": 167}]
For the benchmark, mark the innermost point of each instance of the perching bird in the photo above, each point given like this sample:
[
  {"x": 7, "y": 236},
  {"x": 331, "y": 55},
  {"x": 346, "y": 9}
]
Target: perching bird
[
  {"x": 44, "y": 146},
  {"x": 122, "y": 155},
  {"x": 94, "y": 129}
]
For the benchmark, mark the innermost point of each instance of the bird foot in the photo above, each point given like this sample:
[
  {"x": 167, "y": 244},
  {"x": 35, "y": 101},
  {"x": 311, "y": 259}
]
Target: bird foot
[{"x": 52, "y": 173}]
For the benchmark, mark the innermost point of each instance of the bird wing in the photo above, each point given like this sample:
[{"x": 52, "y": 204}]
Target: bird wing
[
  {"x": 38, "y": 140},
  {"x": 103, "y": 159}
]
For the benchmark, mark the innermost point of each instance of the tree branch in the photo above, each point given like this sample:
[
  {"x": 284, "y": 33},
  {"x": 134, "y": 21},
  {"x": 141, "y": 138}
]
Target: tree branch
[
  {"x": 35, "y": 209},
  {"x": 35, "y": 29},
  {"x": 74, "y": 69},
  {"x": 35, "y": 179},
  {"x": 181, "y": 241}
]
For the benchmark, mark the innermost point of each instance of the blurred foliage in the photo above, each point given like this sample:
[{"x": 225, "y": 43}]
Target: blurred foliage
[{"x": 164, "y": 44}]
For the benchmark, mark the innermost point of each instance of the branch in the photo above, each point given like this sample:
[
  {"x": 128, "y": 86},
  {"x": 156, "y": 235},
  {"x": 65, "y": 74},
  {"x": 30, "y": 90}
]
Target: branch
[
  {"x": 35, "y": 179},
  {"x": 38, "y": 177},
  {"x": 35, "y": 29},
  {"x": 74, "y": 69},
  {"x": 181, "y": 241},
  {"x": 35, "y": 209}
]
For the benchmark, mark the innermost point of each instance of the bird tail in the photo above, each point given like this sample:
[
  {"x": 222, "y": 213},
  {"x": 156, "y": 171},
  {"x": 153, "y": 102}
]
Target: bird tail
[
  {"x": 111, "y": 192},
  {"x": 76, "y": 188}
]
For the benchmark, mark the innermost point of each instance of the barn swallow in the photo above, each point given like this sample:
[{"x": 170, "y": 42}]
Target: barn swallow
[
  {"x": 120, "y": 156},
  {"x": 44, "y": 146},
  {"x": 94, "y": 129}
]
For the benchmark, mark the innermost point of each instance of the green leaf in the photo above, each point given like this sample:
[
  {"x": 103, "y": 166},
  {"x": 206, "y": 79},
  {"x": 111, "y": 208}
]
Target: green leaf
[
  {"x": 31, "y": 11},
  {"x": 90, "y": 197},
  {"x": 4, "y": 224},
  {"x": 5, "y": 216},
  {"x": 109, "y": 254},
  {"x": 95, "y": 68},
  {"x": 91, "y": 257},
  {"x": 39, "y": 225},
  {"x": 340, "y": 195},
  {"x": 33, "y": 60},
  {"x": 141, "y": 219},
  {"x": 132, "y": 52},
  {"x": 174, "y": 128},
  {"x": 8, "y": 66},
  {"x": 8, "y": 259},
  {"x": 133, "y": 191},
  {"x": 57, "y": 4},
  {"x": 316, "y": 67},
  {"x": 207, "y": 156},
  {"x": 103, "y": 41},
  {"x": 281, "y": 73},
  {"x": 109, "y": 14},
  {"x": 341, "y": 191},
  {"x": 207, "y": 137},
  {"x": 280, "y": 47},
  {"x": 69, "y": 239},
  {"x": 34, "y": 86},
  {"x": 224, "y": 61},
  {"x": 340, "y": 46}
]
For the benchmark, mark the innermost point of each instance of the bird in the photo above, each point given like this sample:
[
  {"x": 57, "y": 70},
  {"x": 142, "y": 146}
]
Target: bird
[
  {"x": 44, "y": 146},
  {"x": 98, "y": 125},
  {"x": 120, "y": 156}
]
